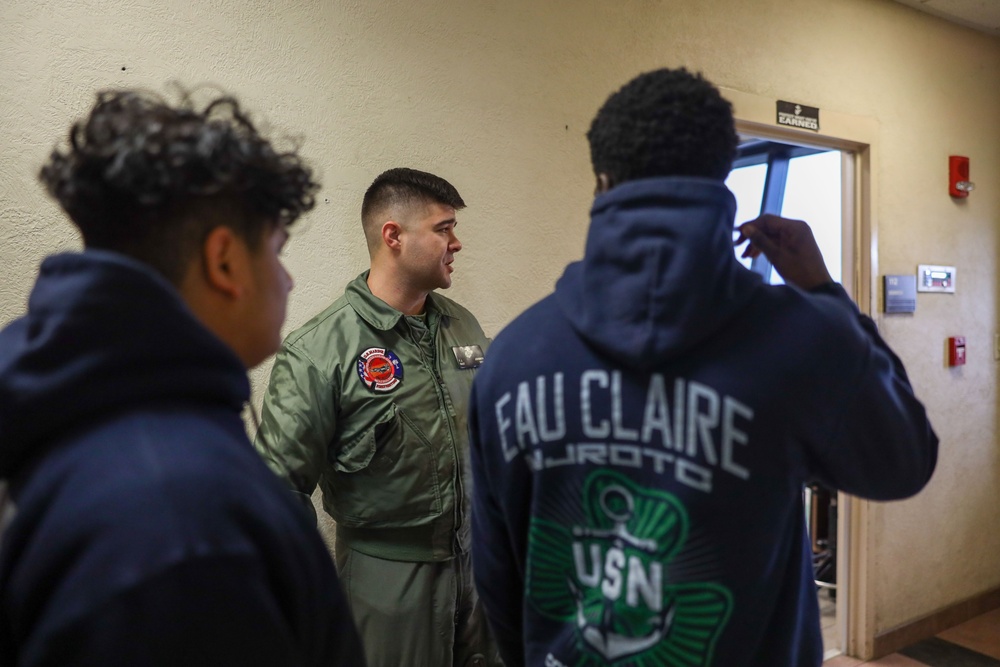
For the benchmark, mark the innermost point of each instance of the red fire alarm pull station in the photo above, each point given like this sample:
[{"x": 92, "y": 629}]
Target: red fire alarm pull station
[
  {"x": 956, "y": 351},
  {"x": 959, "y": 184}
]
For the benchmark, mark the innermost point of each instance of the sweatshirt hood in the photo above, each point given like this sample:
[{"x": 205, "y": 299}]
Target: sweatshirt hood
[
  {"x": 659, "y": 273},
  {"x": 103, "y": 333}
]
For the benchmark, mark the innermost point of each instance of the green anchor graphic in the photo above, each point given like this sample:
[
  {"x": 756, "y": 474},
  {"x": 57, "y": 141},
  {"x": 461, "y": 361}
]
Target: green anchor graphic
[{"x": 607, "y": 579}]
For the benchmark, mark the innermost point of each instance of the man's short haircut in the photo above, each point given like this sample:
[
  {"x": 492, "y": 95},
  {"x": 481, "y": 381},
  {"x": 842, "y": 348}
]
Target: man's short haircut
[
  {"x": 403, "y": 187},
  {"x": 150, "y": 180},
  {"x": 668, "y": 122}
]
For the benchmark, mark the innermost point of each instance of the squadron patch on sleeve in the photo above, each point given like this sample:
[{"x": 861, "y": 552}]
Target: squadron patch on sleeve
[{"x": 380, "y": 369}]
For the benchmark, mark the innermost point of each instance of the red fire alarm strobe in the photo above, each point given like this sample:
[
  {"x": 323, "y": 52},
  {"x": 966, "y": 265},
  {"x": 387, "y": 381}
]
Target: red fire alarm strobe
[
  {"x": 959, "y": 184},
  {"x": 956, "y": 351}
]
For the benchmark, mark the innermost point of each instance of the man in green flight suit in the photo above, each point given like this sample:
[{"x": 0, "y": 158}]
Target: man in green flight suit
[{"x": 368, "y": 399}]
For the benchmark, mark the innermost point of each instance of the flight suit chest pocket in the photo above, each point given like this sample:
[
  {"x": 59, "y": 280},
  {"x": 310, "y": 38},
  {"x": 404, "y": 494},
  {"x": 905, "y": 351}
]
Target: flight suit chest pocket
[
  {"x": 387, "y": 475},
  {"x": 359, "y": 452}
]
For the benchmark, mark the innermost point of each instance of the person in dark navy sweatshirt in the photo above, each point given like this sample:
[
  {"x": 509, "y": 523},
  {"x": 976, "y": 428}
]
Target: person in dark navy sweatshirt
[
  {"x": 641, "y": 437},
  {"x": 146, "y": 529}
]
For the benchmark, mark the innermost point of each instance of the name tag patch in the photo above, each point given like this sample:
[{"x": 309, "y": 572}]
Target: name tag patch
[
  {"x": 468, "y": 356},
  {"x": 380, "y": 369}
]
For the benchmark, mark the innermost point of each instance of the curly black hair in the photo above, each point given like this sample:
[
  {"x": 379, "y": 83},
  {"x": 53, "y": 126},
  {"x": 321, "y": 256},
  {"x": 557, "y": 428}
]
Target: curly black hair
[
  {"x": 668, "y": 122},
  {"x": 143, "y": 177},
  {"x": 403, "y": 186}
]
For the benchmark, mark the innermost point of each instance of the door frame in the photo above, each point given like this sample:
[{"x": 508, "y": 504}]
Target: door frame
[{"x": 857, "y": 139}]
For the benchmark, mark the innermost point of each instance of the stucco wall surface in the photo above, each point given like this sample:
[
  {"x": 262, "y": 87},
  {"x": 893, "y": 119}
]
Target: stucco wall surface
[{"x": 496, "y": 96}]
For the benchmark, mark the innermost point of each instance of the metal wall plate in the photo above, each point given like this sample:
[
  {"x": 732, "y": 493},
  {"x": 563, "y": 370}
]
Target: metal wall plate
[{"x": 934, "y": 278}]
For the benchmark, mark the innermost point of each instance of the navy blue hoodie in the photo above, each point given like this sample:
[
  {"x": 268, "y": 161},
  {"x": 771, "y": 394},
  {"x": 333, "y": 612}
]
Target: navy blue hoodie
[
  {"x": 147, "y": 530},
  {"x": 640, "y": 440}
]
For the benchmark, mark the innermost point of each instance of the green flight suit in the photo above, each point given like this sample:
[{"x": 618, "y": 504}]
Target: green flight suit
[{"x": 371, "y": 404}]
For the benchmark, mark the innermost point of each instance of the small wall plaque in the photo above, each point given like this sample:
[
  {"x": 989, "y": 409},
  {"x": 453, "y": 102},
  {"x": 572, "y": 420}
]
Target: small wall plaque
[
  {"x": 899, "y": 293},
  {"x": 798, "y": 115}
]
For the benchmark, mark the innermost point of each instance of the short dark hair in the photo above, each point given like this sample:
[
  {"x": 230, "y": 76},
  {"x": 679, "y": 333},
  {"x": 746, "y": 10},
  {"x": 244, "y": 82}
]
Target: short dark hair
[
  {"x": 138, "y": 171},
  {"x": 668, "y": 122},
  {"x": 403, "y": 186}
]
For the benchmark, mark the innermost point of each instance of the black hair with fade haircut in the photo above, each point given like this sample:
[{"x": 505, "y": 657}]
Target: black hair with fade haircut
[
  {"x": 668, "y": 122},
  {"x": 403, "y": 186},
  {"x": 150, "y": 180}
]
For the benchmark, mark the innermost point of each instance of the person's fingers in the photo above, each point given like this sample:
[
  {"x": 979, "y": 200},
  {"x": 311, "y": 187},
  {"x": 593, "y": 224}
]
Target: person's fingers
[
  {"x": 742, "y": 236},
  {"x": 759, "y": 240},
  {"x": 767, "y": 223},
  {"x": 750, "y": 251},
  {"x": 746, "y": 230}
]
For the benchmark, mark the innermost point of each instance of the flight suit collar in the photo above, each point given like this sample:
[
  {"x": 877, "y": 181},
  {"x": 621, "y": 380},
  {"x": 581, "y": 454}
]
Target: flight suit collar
[{"x": 381, "y": 315}]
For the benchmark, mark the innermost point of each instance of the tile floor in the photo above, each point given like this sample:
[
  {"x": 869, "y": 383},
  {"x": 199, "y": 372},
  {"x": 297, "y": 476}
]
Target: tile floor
[{"x": 975, "y": 643}]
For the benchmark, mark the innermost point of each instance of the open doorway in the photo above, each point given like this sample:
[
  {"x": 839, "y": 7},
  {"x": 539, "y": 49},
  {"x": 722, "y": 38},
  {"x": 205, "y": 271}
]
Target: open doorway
[
  {"x": 798, "y": 182},
  {"x": 804, "y": 183}
]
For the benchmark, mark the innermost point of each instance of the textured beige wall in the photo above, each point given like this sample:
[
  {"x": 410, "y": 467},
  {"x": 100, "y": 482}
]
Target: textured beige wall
[{"x": 496, "y": 96}]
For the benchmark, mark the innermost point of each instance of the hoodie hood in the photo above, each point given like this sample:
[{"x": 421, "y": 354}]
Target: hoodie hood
[
  {"x": 103, "y": 333},
  {"x": 659, "y": 274}
]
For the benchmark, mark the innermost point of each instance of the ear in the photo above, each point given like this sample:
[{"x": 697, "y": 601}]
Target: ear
[
  {"x": 604, "y": 183},
  {"x": 224, "y": 260},
  {"x": 391, "y": 231}
]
